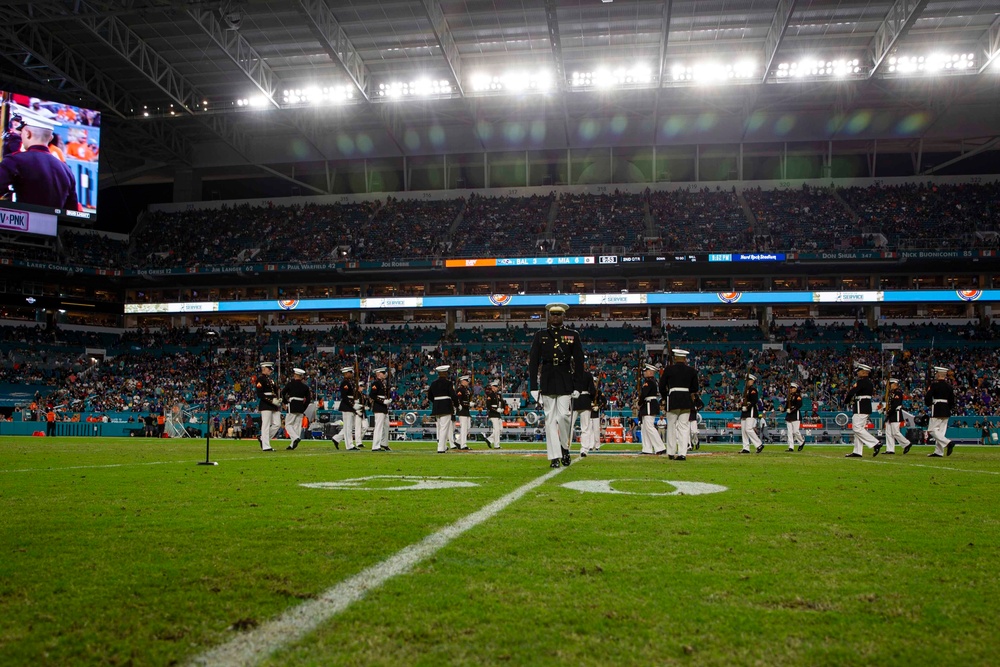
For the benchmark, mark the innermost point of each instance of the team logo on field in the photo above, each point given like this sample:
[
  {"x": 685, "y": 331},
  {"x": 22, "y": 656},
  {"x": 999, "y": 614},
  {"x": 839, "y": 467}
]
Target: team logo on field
[
  {"x": 500, "y": 299},
  {"x": 969, "y": 294},
  {"x": 730, "y": 297},
  {"x": 288, "y": 304},
  {"x": 680, "y": 488},
  {"x": 396, "y": 483}
]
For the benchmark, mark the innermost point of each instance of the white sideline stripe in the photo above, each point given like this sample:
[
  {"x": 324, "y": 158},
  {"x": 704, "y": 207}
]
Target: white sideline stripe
[
  {"x": 251, "y": 647},
  {"x": 919, "y": 465},
  {"x": 192, "y": 460}
]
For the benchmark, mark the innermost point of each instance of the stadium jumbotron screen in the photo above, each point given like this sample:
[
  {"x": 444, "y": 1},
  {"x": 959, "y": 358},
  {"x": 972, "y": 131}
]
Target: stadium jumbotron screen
[{"x": 49, "y": 165}]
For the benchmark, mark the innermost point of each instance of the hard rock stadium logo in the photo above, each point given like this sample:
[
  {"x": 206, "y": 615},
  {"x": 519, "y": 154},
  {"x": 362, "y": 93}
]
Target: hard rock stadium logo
[
  {"x": 288, "y": 304},
  {"x": 500, "y": 299},
  {"x": 969, "y": 294},
  {"x": 730, "y": 297}
]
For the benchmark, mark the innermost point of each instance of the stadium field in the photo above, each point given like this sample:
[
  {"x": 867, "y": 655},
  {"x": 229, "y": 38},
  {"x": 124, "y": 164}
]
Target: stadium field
[{"x": 124, "y": 552}]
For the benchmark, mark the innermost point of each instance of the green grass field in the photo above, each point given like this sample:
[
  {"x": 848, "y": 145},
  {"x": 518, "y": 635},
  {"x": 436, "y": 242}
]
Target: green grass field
[{"x": 124, "y": 552}]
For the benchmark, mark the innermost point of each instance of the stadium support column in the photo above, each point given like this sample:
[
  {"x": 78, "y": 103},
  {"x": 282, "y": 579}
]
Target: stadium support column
[
  {"x": 187, "y": 185},
  {"x": 876, "y": 315},
  {"x": 872, "y": 314}
]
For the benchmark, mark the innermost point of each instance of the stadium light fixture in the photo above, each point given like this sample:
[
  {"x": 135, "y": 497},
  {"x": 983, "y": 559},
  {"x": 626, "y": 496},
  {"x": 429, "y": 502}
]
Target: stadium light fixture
[
  {"x": 934, "y": 63},
  {"x": 605, "y": 77},
  {"x": 813, "y": 68},
  {"x": 311, "y": 94},
  {"x": 516, "y": 82},
  {"x": 714, "y": 72},
  {"x": 423, "y": 87}
]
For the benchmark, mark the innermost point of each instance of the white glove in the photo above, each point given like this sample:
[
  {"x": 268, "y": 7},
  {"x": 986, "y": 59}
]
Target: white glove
[
  {"x": 575, "y": 394},
  {"x": 535, "y": 395}
]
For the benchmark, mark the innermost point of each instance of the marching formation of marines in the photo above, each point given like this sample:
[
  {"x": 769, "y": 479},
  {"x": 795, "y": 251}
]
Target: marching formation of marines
[{"x": 565, "y": 387}]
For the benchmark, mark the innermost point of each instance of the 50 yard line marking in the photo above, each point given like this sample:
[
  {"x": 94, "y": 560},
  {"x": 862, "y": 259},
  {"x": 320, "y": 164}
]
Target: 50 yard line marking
[{"x": 251, "y": 647}]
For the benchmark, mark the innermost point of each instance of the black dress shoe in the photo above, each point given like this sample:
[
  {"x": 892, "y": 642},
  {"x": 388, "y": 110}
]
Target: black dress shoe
[
  {"x": 661, "y": 452},
  {"x": 385, "y": 448},
  {"x": 464, "y": 449},
  {"x": 671, "y": 456},
  {"x": 565, "y": 460},
  {"x": 951, "y": 446},
  {"x": 554, "y": 463},
  {"x": 906, "y": 450},
  {"x": 801, "y": 446},
  {"x": 697, "y": 445},
  {"x": 583, "y": 453},
  {"x": 852, "y": 455},
  {"x": 744, "y": 451},
  {"x": 269, "y": 449},
  {"x": 760, "y": 448},
  {"x": 888, "y": 453},
  {"x": 336, "y": 445},
  {"x": 876, "y": 449},
  {"x": 934, "y": 456},
  {"x": 289, "y": 448},
  {"x": 680, "y": 458}
]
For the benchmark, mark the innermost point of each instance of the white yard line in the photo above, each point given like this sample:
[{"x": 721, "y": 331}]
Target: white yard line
[
  {"x": 871, "y": 459},
  {"x": 251, "y": 647}
]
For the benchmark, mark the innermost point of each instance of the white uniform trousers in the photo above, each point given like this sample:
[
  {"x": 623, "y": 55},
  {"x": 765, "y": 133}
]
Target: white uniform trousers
[
  {"x": 862, "y": 438},
  {"x": 937, "y": 427},
  {"x": 892, "y": 436},
  {"x": 678, "y": 432},
  {"x": 748, "y": 432},
  {"x": 795, "y": 436},
  {"x": 293, "y": 425},
  {"x": 586, "y": 426},
  {"x": 496, "y": 423},
  {"x": 595, "y": 433},
  {"x": 445, "y": 432},
  {"x": 651, "y": 440},
  {"x": 360, "y": 426},
  {"x": 346, "y": 434},
  {"x": 464, "y": 424},
  {"x": 270, "y": 423},
  {"x": 693, "y": 426},
  {"x": 380, "y": 434},
  {"x": 558, "y": 424}
]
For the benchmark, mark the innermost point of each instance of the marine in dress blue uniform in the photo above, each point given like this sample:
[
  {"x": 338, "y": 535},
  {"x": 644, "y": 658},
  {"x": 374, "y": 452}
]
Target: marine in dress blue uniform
[{"x": 34, "y": 174}]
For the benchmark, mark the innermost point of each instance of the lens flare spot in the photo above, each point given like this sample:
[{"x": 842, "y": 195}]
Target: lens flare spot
[
  {"x": 299, "y": 149},
  {"x": 436, "y": 136},
  {"x": 514, "y": 132},
  {"x": 365, "y": 143},
  {"x": 859, "y": 122},
  {"x": 707, "y": 121},
  {"x": 411, "y": 139},
  {"x": 484, "y": 129},
  {"x": 619, "y": 124},
  {"x": 756, "y": 121},
  {"x": 345, "y": 144},
  {"x": 538, "y": 131},
  {"x": 674, "y": 125},
  {"x": 785, "y": 124},
  {"x": 588, "y": 129}
]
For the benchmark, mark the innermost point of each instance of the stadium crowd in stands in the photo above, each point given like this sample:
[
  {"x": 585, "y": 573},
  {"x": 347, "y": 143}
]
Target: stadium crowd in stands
[
  {"x": 151, "y": 371},
  {"x": 694, "y": 219},
  {"x": 702, "y": 220},
  {"x": 585, "y": 221}
]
